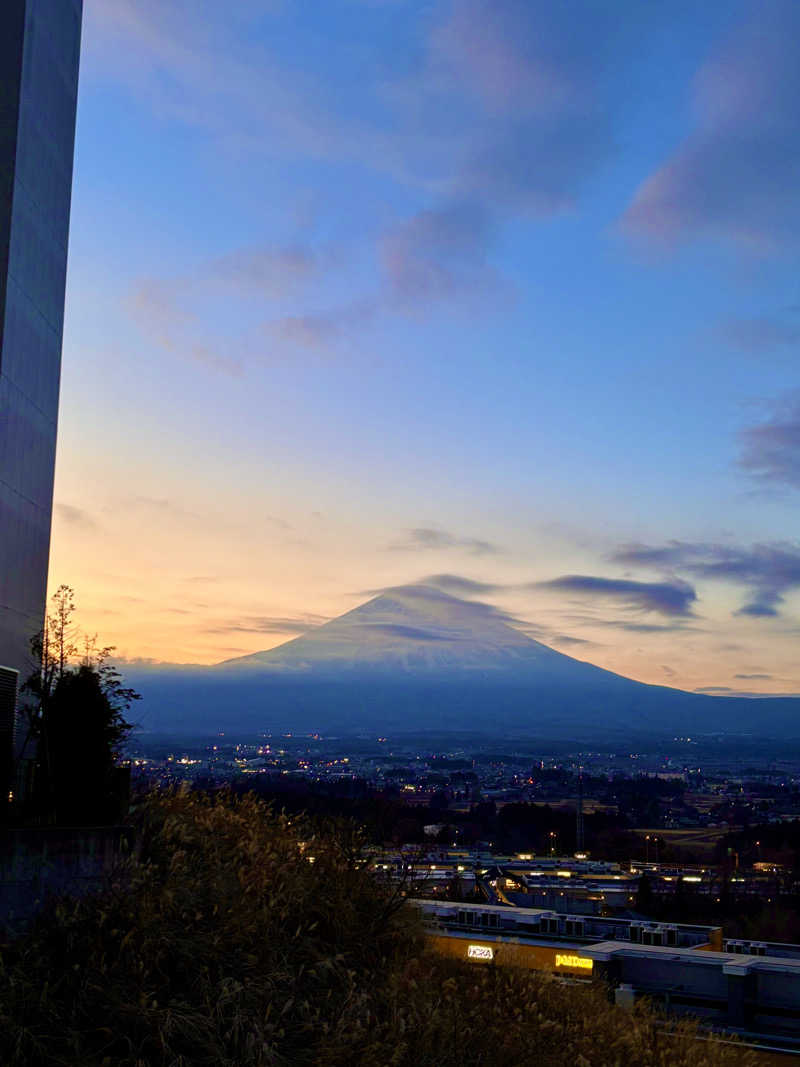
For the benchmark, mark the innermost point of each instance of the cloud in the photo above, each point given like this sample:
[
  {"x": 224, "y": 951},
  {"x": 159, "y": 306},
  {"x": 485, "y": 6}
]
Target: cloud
[
  {"x": 645, "y": 628},
  {"x": 200, "y": 64},
  {"x": 771, "y": 449},
  {"x": 156, "y": 308},
  {"x": 438, "y": 254},
  {"x": 735, "y": 176},
  {"x": 487, "y": 74},
  {"x": 173, "y": 312},
  {"x": 75, "y": 517},
  {"x": 537, "y": 170},
  {"x": 755, "y": 677},
  {"x": 666, "y": 598},
  {"x": 431, "y": 539},
  {"x": 322, "y": 331},
  {"x": 500, "y": 110},
  {"x": 412, "y": 633},
  {"x": 768, "y": 571},
  {"x": 756, "y": 335},
  {"x": 267, "y": 624},
  {"x": 265, "y": 270},
  {"x": 479, "y": 610},
  {"x": 567, "y": 639},
  {"x": 458, "y": 585},
  {"x": 762, "y": 609},
  {"x": 532, "y": 72}
]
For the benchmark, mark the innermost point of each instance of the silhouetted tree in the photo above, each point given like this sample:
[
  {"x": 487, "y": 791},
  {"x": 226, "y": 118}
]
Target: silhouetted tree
[{"x": 76, "y": 715}]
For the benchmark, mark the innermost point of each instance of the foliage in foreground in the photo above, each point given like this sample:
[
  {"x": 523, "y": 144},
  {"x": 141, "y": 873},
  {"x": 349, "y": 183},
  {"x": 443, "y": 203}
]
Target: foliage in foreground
[
  {"x": 75, "y": 707},
  {"x": 224, "y": 944}
]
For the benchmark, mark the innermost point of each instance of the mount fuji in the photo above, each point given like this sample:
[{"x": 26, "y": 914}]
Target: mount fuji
[{"x": 416, "y": 658}]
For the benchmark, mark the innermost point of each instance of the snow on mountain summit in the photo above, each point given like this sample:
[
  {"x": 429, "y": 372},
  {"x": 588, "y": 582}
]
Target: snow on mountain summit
[{"x": 407, "y": 628}]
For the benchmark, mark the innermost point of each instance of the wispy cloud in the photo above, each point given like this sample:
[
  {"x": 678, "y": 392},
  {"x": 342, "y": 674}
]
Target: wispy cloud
[
  {"x": 771, "y": 449},
  {"x": 757, "y": 334},
  {"x": 267, "y": 271},
  {"x": 268, "y": 624},
  {"x": 501, "y": 110},
  {"x": 410, "y": 633},
  {"x": 568, "y": 639},
  {"x": 768, "y": 571},
  {"x": 156, "y": 308},
  {"x": 438, "y": 254},
  {"x": 735, "y": 176},
  {"x": 666, "y": 598},
  {"x": 432, "y": 539},
  {"x": 531, "y": 71},
  {"x": 458, "y": 585},
  {"x": 74, "y": 516},
  {"x": 174, "y": 312},
  {"x": 477, "y": 609},
  {"x": 323, "y": 331}
]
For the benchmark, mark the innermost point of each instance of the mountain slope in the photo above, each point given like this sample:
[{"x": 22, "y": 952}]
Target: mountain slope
[
  {"x": 411, "y": 629},
  {"x": 416, "y": 658}
]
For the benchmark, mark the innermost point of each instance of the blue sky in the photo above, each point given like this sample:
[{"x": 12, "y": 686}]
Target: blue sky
[{"x": 367, "y": 290}]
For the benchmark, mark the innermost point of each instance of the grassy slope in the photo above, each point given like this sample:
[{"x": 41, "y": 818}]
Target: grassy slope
[{"x": 224, "y": 945}]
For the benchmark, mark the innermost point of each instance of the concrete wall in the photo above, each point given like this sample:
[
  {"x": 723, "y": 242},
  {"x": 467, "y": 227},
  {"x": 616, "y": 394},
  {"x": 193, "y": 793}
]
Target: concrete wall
[{"x": 37, "y": 864}]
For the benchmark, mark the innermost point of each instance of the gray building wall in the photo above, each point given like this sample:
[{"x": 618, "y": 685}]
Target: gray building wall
[{"x": 39, "y": 55}]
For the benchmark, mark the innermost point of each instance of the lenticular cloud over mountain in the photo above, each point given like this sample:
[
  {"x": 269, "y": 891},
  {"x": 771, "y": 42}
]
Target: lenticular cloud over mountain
[{"x": 417, "y": 658}]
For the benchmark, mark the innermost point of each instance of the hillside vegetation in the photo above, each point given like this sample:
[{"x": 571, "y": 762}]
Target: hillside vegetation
[{"x": 240, "y": 936}]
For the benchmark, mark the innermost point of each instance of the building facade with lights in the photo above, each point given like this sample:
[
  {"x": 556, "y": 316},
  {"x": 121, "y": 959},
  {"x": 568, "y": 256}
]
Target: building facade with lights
[
  {"x": 750, "y": 987},
  {"x": 39, "y": 58}
]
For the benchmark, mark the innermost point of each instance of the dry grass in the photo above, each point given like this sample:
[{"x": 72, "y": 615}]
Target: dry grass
[{"x": 223, "y": 944}]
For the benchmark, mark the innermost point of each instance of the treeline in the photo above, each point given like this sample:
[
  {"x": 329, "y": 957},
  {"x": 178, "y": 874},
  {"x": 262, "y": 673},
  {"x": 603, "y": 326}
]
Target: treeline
[
  {"x": 387, "y": 818},
  {"x": 239, "y": 937}
]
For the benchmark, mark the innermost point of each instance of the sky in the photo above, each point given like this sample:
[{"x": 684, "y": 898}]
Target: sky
[{"x": 501, "y": 291}]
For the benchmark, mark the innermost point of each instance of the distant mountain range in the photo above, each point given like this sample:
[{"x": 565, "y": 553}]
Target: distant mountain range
[{"x": 415, "y": 658}]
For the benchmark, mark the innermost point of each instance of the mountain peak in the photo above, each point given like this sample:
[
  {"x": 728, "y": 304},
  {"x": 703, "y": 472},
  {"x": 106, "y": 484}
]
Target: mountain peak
[
  {"x": 416, "y": 657},
  {"x": 408, "y": 627}
]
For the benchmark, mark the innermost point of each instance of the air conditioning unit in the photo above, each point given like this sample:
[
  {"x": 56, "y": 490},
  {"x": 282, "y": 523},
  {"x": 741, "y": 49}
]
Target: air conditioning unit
[
  {"x": 739, "y": 947},
  {"x": 671, "y": 934},
  {"x": 758, "y": 948},
  {"x": 636, "y": 932}
]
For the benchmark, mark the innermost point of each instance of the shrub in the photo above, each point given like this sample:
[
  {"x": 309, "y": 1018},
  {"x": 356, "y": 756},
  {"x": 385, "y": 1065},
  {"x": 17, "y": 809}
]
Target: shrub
[{"x": 239, "y": 936}]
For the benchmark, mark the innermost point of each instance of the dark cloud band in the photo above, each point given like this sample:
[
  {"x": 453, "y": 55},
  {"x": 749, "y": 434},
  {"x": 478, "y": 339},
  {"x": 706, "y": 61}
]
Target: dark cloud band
[{"x": 666, "y": 598}]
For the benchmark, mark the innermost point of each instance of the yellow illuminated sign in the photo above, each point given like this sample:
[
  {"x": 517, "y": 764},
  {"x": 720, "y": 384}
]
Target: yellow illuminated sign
[
  {"x": 480, "y": 952},
  {"x": 580, "y": 963}
]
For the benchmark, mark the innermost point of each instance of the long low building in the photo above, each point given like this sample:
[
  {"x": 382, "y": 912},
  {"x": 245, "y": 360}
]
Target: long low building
[{"x": 751, "y": 988}]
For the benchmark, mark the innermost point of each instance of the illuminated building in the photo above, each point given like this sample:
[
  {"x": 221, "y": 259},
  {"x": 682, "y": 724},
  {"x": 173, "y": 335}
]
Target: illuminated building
[
  {"x": 751, "y": 987},
  {"x": 39, "y": 54}
]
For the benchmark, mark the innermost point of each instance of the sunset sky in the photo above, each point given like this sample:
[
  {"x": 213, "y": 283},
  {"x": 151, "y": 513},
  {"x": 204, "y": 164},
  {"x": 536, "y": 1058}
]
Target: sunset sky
[{"x": 363, "y": 291}]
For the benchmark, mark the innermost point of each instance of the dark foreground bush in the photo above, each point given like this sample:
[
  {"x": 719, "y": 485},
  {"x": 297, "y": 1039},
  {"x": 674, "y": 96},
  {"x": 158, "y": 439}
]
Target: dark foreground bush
[{"x": 241, "y": 937}]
